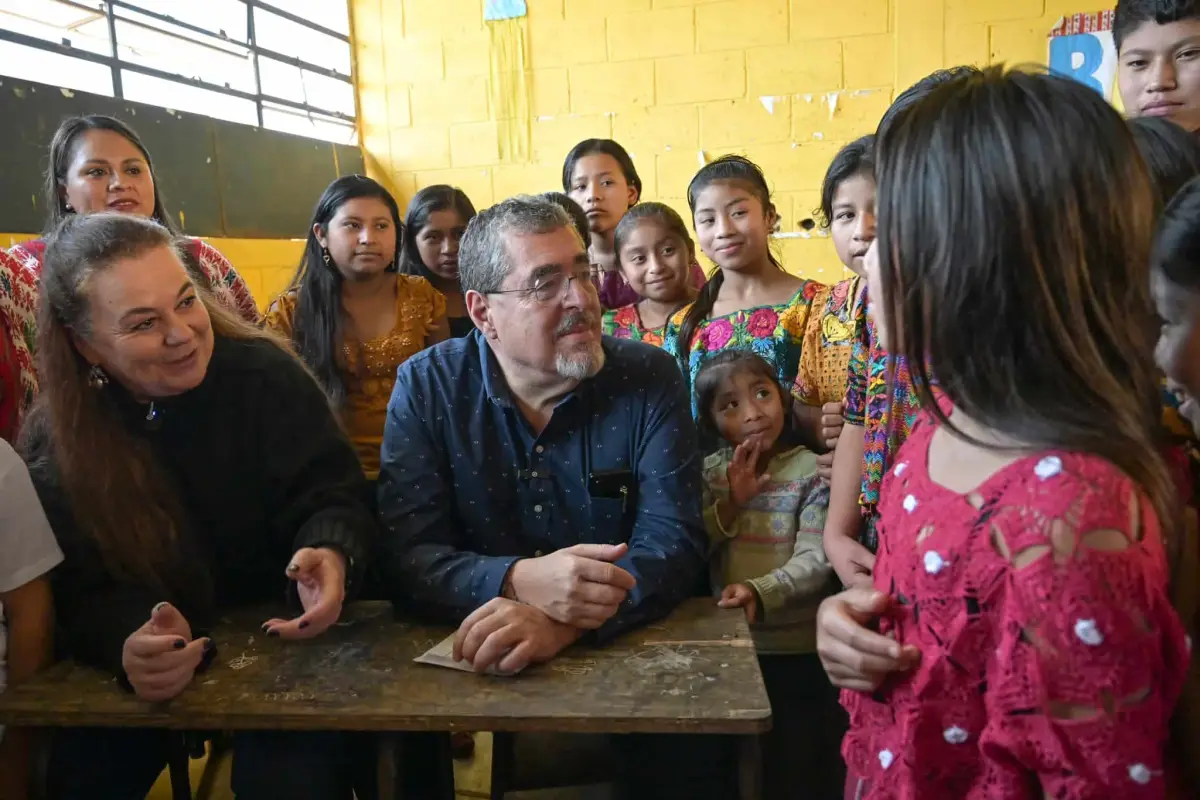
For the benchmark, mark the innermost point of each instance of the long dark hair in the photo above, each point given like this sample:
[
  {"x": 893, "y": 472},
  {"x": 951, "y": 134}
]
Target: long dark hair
[
  {"x": 988, "y": 207},
  {"x": 726, "y": 364},
  {"x": 607, "y": 147},
  {"x": 1172, "y": 154},
  {"x": 732, "y": 169},
  {"x": 317, "y": 320},
  {"x": 114, "y": 481},
  {"x": 62, "y": 150},
  {"x": 856, "y": 158},
  {"x": 425, "y": 203}
]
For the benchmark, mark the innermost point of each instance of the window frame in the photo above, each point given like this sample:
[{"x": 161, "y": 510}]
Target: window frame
[{"x": 116, "y": 64}]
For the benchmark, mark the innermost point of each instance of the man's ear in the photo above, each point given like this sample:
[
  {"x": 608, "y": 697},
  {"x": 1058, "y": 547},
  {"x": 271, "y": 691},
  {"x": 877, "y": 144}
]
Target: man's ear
[{"x": 480, "y": 312}]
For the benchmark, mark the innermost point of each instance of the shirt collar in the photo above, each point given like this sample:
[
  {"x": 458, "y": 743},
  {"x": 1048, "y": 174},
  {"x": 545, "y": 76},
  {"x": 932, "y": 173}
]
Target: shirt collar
[{"x": 496, "y": 387}]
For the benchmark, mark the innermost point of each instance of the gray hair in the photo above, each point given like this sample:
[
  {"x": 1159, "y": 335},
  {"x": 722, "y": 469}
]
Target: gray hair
[{"x": 483, "y": 259}]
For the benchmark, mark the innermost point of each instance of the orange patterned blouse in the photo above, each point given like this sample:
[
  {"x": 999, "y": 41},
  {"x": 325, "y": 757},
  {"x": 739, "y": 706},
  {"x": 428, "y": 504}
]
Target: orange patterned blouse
[
  {"x": 828, "y": 342},
  {"x": 370, "y": 367}
]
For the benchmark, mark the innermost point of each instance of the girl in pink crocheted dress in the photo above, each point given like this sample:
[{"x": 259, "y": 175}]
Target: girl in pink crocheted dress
[{"x": 1026, "y": 646}]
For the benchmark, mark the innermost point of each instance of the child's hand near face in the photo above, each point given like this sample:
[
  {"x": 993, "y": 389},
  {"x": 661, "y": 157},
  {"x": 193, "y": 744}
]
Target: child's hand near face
[
  {"x": 744, "y": 481},
  {"x": 739, "y": 595}
]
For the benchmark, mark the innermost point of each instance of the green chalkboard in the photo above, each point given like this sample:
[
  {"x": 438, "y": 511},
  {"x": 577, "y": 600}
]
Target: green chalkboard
[{"x": 217, "y": 178}]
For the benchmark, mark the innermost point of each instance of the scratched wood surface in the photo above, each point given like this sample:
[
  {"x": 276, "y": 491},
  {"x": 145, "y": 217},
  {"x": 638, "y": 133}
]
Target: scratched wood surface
[{"x": 695, "y": 672}]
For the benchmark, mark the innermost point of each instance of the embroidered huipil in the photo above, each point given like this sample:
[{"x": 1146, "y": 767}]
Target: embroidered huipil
[
  {"x": 887, "y": 416},
  {"x": 774, "y": 332},
  {"x": 1051, "y": 658},
  {"x": 626, "y": 323},
  {"x": 829, "y": 343},
  {"x": 18, "y": 315},
  {"x": 369, "y": 368},
  {"x": 225, "y": 283},
  {"x": 466, "y": 486}
]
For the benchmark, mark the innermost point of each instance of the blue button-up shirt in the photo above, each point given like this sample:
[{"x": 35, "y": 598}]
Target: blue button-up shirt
[{"x": 466, "y": 486}]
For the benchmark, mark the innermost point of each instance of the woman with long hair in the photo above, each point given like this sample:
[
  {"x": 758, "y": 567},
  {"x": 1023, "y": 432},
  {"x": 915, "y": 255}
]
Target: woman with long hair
[
  {"x": 436, "y": 220},
  {"x": 350, "y": 314},
  {"x": 98, "y": 163},
  {"x": 188, "y": 465}
]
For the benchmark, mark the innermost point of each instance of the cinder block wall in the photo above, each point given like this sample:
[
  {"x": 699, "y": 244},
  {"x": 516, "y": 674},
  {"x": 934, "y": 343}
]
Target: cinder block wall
[{"x": 785, "y": 82}]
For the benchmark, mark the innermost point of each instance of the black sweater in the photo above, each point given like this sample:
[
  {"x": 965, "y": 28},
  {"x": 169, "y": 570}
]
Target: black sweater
[{"x": 262, "y": 469}]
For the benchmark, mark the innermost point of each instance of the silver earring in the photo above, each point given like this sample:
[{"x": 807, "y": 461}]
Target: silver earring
[
  {"x": 325, "y": 257},
  {"x": 97, "y": 379},
  {"x": 67, "y": 207}
]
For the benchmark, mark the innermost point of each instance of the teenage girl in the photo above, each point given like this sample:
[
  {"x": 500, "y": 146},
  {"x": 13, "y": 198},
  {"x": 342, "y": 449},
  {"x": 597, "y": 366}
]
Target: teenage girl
[
  {"x": 764, "y": 511},
  {"x": 750, "y": 302},
  {"x": 349, "y": 314},
  {"x": 848, "y": 212},
  {"x": 1026, "y": 646},
  {"x": 599, "y": 175},
  {"x": 436, "y": 221},
  {"x": 879, "y": 410},
  {"x": 655, "y": 252}
]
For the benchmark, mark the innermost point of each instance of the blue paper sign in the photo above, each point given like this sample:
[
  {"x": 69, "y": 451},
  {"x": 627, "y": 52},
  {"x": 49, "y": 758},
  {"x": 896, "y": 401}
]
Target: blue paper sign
[{"x": 503, "y": 9}]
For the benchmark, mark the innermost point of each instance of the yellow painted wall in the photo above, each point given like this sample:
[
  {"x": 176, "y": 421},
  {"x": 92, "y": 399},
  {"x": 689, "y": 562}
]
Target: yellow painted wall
[
  {"x": 266, "y": 264},
  {"x": 674, "y": 81}
]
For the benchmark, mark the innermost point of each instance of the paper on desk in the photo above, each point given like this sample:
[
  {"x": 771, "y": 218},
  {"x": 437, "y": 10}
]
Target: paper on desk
[{"x": 442, "y": 655}]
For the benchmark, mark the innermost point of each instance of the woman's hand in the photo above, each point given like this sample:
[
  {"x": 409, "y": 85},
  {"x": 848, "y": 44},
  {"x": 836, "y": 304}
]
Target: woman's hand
[
  {"x": 742, "y": 473},
  {"x": 855, "y": 657},
  {"x": 739, "y": 595},
  {"x": 160, "y": 657},
  {"x": 320, "y": 576}
]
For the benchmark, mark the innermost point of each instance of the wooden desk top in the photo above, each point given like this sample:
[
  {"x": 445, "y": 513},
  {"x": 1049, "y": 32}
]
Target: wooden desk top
[{"x": 694, "y": 672}]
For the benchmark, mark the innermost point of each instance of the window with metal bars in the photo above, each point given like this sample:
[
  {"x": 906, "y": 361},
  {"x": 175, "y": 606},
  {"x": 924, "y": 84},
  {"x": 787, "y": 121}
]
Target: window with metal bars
[{"x": 285, "y": 65}]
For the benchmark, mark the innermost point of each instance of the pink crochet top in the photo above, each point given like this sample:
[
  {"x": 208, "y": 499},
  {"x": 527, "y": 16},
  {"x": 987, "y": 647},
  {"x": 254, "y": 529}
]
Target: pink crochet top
[{"x": 1051, "y": 657}]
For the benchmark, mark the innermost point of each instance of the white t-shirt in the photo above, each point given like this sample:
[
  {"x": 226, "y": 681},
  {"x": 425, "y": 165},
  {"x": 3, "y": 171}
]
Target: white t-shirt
[{"x": 28, "y": 549}]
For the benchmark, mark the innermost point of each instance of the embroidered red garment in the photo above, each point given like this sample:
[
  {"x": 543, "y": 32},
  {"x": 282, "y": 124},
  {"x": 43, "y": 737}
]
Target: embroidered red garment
[
  {"x": 1050, "y": 655},
  {"x": 228, "y": 287}
]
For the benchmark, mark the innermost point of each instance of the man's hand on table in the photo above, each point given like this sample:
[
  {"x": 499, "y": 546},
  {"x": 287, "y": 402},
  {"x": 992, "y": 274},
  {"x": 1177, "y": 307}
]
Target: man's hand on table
[
  {"x": 510, "y": 636},
  {"x": 578, "y": 586}
]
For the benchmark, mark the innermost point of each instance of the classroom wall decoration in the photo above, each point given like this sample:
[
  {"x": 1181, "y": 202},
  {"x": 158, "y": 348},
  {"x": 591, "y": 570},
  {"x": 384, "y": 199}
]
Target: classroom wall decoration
[{"x": 1082, "y": 47}]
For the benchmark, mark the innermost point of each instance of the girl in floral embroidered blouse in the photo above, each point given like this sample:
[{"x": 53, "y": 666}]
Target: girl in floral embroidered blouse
[
  {"x": 1026, "y": 643},
  {"x": 750, "y": 302},
  {"x": 99, "y": 163},
  {"x": 352, "y": 318},
  {"x": 654, "y": 251}
]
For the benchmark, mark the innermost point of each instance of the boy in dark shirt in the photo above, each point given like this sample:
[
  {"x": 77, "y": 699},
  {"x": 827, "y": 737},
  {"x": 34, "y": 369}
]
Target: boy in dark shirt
[{"x": 1158, "y": 53}]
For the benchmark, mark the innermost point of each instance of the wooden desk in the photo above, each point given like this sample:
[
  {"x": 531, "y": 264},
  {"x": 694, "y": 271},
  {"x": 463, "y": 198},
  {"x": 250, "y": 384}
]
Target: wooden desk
[{"x": 695, "y": 672}]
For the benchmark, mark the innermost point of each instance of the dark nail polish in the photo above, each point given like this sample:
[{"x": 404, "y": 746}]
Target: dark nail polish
[
  {"x": 179, "y": 644},
  {"x": 272, "y": 632},
  {"x": 264, "y": 627},
  {"x": 303, "y": 625},
  {"x": 209, "y": 646}
]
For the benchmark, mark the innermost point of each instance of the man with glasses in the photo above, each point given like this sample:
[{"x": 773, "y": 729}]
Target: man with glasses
[{"x": 538, "y": 483}]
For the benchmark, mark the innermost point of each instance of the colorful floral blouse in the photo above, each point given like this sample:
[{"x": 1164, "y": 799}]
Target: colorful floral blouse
[
  {"x": 369, "y": 368},
  {"x": 18, "y": 315},
  {"x": 869, "y": 404},
  {"x": 829, "y": 342},
  {"x": 774, "y": 332},
  {"x": 626, "y": 323},
  {"x": 226, "y": 285}
]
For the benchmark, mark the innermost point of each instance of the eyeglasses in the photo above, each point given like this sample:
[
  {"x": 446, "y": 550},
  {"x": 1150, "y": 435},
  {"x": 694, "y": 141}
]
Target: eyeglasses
[{"x": 554, "y": 287}]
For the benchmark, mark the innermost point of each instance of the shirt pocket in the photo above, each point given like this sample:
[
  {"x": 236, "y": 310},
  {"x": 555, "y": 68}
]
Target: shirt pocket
[{"x": 610, "y": 518}]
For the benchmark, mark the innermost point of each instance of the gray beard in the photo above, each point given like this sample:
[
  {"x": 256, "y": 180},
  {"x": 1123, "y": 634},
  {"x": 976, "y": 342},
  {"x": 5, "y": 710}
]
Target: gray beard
[{"x": 582, "y": 365}]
